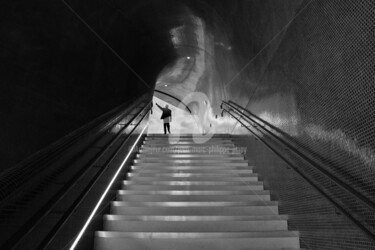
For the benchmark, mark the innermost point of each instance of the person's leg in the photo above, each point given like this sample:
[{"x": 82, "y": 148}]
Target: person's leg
[
  {"x": 165, "y": 128},
  {"x": 169, "y": 128}
]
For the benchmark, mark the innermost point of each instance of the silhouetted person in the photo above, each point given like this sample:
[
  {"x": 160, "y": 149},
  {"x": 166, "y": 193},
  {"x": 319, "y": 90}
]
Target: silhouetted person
[{"x": 166, "y": 116}]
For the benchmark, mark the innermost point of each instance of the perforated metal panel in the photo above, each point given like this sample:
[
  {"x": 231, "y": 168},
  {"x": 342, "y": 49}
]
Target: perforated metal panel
[{"x": 319, "y": 88}]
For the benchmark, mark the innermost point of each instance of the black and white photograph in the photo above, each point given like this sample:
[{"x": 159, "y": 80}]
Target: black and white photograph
[{"x": 187, "y": 125}]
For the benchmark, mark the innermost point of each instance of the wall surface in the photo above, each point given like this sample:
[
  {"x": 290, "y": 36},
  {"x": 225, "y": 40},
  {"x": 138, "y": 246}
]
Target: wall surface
[
  {"x": 311, "y": 75},
  {"x": 305, "y": 66},
  {"x": 64, "y": 63},
  {"x": 320, "y": 224}
]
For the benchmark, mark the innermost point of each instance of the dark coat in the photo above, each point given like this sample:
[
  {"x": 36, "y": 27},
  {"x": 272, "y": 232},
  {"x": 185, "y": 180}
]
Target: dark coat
[{"x": 166, "y": 113}]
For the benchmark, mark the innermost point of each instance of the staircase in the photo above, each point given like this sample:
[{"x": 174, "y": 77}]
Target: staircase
[{"x": 182, "y": 197}]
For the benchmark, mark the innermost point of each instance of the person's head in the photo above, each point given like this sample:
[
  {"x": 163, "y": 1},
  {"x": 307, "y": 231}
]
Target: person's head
[{"x": 166, "y": 106}]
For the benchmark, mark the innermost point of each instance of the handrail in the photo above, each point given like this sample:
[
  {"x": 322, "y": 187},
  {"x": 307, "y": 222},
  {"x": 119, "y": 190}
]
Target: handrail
[
  {"x": 171, "y": 96},
  {"x": 339, "y": 182},
  {"x": 23, "y": 171},
  {"x": 263, "y": 121},
  {"x": 369, "y": 203},
  {"x": 88, "y": 188},
  {"x": 45, "y": 209}
]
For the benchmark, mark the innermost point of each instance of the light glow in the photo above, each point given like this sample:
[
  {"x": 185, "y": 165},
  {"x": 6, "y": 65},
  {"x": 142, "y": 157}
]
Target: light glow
[{"x": 105, "y": 193}]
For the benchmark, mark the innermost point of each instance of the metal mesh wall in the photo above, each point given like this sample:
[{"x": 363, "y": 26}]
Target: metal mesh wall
[
  {"x": 319, "y": 88},
  {"x": 320, "y": 225}
]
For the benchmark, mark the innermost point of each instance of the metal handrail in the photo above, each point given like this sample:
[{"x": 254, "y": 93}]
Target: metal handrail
[
  {"x": 25, "y": 170},
  {"x": 369, "y": 203},
  {"x": 88, "y": 188},
  {"x": 339, "y": 182},
  {"x": 171, "y": 96},
  {"x": 30, "y": 224}
]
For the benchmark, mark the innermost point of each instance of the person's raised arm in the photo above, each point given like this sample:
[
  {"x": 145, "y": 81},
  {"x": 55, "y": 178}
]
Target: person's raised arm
[{"x": 159, "y": 106}]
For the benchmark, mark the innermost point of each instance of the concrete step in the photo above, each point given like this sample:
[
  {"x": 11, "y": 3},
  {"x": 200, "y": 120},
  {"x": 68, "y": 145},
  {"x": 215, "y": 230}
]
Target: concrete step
[
  {"x": 197, "y": 218},
  {"x": 191, "y": 164},
  {"x": 214, "y": 136},
  {"x": 122, "y": 224},
  {"x": 195, "y": 178},
  {"x": 184, "y": 138},
  {"x": 187, "y": 198},
  {"x": 191, "y": 170},
  {"x": 191, "y": 161},
  {"x": 188, "y": 140},
  {"x": 196, "y": 241},
  {"x": 120, "y": 209},
  {"x": 187, "y": 183},
  {"x": 182, "y": 157},
  {"x": 180, "y": 196},
  {"x": 190, "y": 156},
  {"x": 206, "y": 147},
  {"x": 226, "y": 166},
  {"x": 184, "y": 175},
  {"x": 192, "y": 150},
  {"x": 195, "y": 204},
  {"x": 185, "y": 142},
  {"x": 192, "y": 192},
  {"x": 224, "y": 187}
]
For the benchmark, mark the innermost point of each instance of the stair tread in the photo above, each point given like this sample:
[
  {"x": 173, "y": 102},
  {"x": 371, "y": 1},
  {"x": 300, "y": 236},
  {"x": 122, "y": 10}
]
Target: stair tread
[
  {"x": 172, "y": 156},
  {"x": 179, "y": 196},
  {"x": 194, "y": 192},
  {"x": 194, "y": 204},
  {"x": 194, "y": 183},
  {"x": 190, "y": 175},
  {"x": 174, "y": 235},
  {"x": 160, "y": 166},
  {"x": 190, "y": 183},
  {"x": 193, "y": 187},
  {"x": 196, "y": 218}
]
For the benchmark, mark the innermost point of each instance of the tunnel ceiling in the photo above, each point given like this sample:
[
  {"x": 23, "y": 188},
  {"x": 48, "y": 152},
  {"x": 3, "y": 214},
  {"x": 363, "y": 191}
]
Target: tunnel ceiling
[
  {"x": 63, "y": 63},
  {"x": 215, "y": 40}
]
